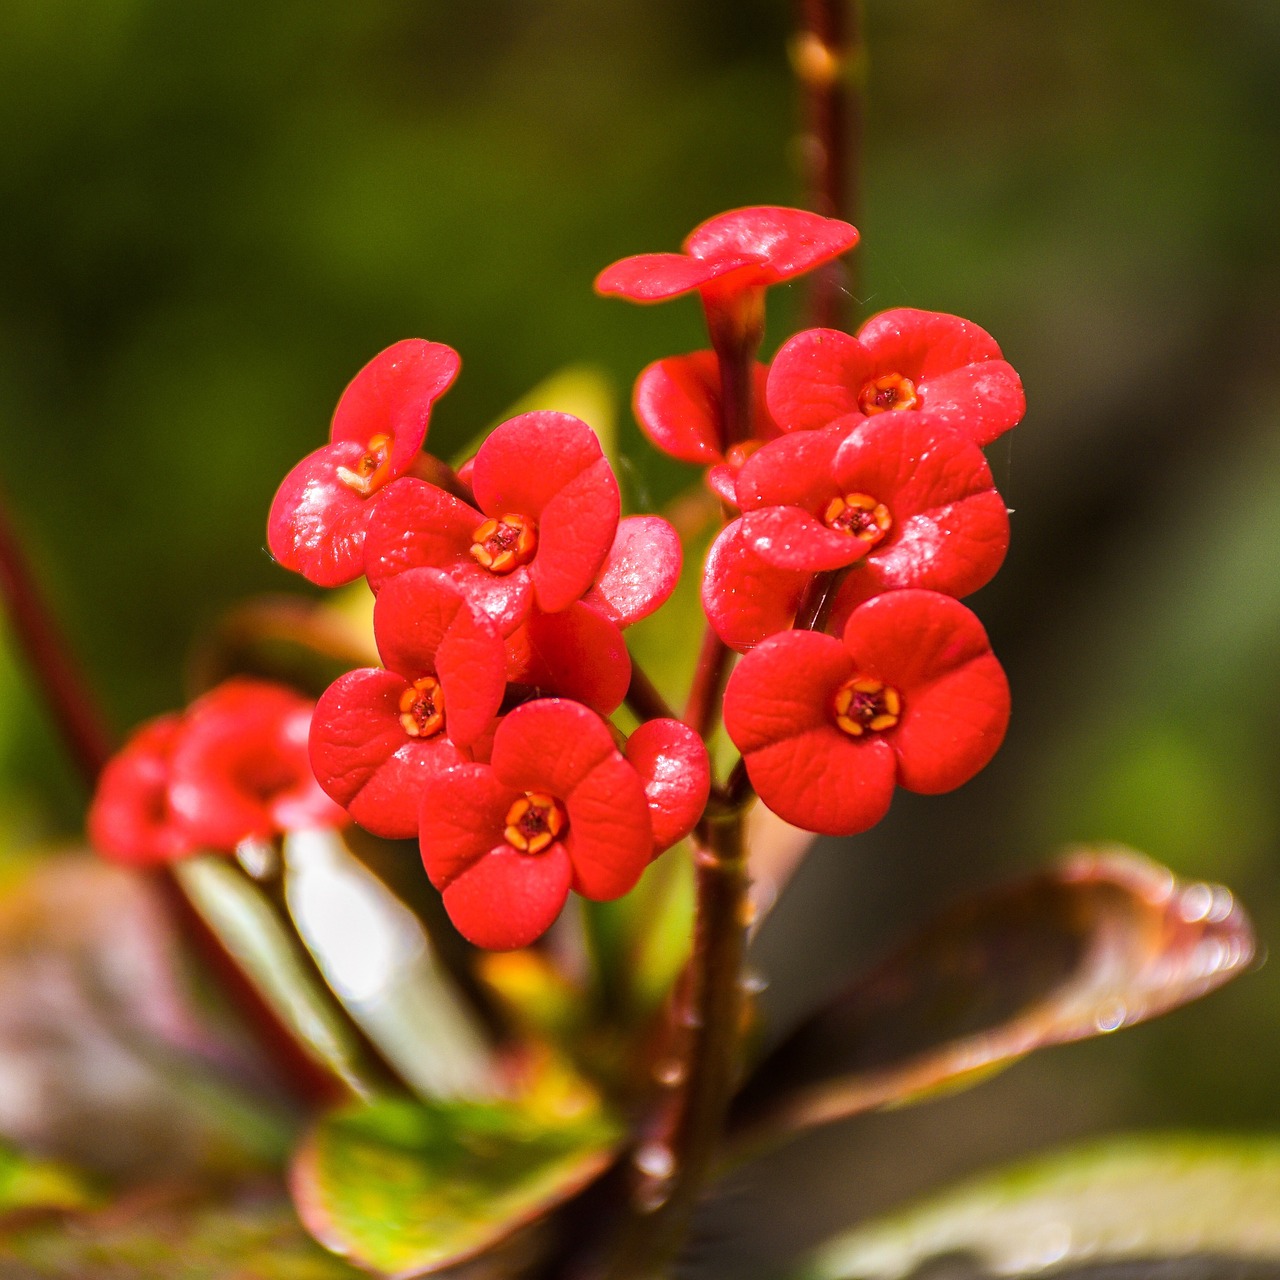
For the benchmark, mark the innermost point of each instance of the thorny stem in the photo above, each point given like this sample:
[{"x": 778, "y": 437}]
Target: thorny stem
[
  {"x": 828, "y": 57},
  {"x": 82, "y": 724}
]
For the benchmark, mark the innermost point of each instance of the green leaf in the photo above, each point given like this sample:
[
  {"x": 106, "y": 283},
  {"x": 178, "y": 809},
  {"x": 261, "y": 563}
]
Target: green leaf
[
  {"x": 145, "y": 1237},
  {"x": 1150, "y": 1198},
  {"x": 1104, "y": 940},
  {"x": 409, "y": 1188}
]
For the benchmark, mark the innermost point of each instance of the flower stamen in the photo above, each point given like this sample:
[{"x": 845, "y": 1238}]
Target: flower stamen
[
  {"x": 422, "y": 708},
  {"x": 534, "y": 822},
  {"x": 373, "y": 470},
  {"x": 504, "y": 544},
  {"x": 888, "y": 393},
  {"x": 860, "y": 516},
  {"x": 863, "y": 704}
]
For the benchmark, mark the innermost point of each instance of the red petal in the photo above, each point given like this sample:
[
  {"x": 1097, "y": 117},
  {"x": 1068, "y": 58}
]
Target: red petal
[
  {"x": 790, "y": 241},
  {"x": 722, "y": 480},
  {"x": 784, "y": 688},
  {"x": 418, "y": 526},
  {"x": 789, "y": 538},
  {"x": 363, "y": 758},
  {"x": 461, "y": 819},
  {"x": 955, "y": 696},
  {"x": 550, "y": 745},
  {"x": 425, "y": 626},
  {"x": 576, "y": 653},
  {"x": 527, "y": 460},
  {"x": 393, "y": 394},
  {"x": 979, "y": 401},
  {"x": 817, "y": 377},
  {"x": 921, "y": 345},
  {"x": 655, "y": 277},
  {"x": 575, "y": 534},
  {"x": 610, "y": 839},
  {"x": 673, "y": 766},
  {"x": 744, "y": 597},
  {"x": 130, "y": 820},
  {"x": 825, "y": 781},
  {"x": 677, "y": 404},
  {"x": 639, "y": 573},
  {"x": 509, "y": 899},
  {"x": 795, "y": 471},
  {"x": 317, "y": 522}
]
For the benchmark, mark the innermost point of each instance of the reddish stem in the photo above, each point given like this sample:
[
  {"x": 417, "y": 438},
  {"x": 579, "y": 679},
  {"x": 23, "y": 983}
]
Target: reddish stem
[
  {"x": 702, "y": 711},
  {"x": 71, "y": 702},
  {"x": 828, "y": 57}
]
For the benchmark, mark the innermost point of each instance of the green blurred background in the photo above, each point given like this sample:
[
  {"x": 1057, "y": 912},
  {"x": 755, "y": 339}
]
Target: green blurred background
[{"x": 215, "y": 212}]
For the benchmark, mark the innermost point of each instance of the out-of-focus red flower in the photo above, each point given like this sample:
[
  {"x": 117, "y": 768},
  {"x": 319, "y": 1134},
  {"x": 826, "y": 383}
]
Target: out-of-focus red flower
[
  {"x": 897, "y": 503},
  {"x": 911, "y": 696},
  {"x": 375, "y": 733},
  {"x": 130, "y": 819},
  {"x": 900, "y": 360},
  {"x": 318, "y": 518},
  {"x": 556, "y": 808},
  {"x": 731, "y": 253},
  {"x": 239, "y": 767},
  {"x": 673, "y": 765},
  {"x": 548, "y": 513}
]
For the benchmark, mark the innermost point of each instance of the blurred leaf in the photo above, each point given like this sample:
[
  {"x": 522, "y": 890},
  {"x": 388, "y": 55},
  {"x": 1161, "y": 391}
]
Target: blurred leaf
[
  {"x": 410, "y": 1188},
  {"x": 583, "y": 390},
  {"x": 1103, "y": 941},
  {"x": 270, "y": 954},
  {"x": 1210, "y": 1202},
  {"x": 27, "y": 1185},
  {"x": 105, "y": 1057},
  {"x": 254, "y": 1236},
  {"x": 294, "y": 640},
  {"x": 377, "y": 959}
]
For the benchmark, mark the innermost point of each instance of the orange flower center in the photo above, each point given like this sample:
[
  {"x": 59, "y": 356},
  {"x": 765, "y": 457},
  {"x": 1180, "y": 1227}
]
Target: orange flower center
[
  {"x": 372, "y": 471},
  {"x": 863, "y": 704},
  {"x": 860, "y": 516},
  {"x": 422, "y": 708},
  {"x": 887, "y": 394},
  {"x": 504, "y": 544},
  {"x": 534, "y": 821}
]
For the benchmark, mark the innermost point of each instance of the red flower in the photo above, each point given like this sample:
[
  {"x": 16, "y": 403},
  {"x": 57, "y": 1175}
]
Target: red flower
[
  {"x": 898, "y": 503},
  {"x": 130, "y": 819},
  {"x": 239, "y": 767},
  {"x": 900, "y": 360},
  {"x": 556, "y": 808},
  {"x": 673, "y": 765},
  {"x": 576, "y": 653},
  {"x": 547, "y": 519},
  {"x": 639, "y": 573},
  {"x": 677, "y": 404},
  {"x": 320, "y": 511},
  {"x": 730, "y": 254},
  {"x": 912, "y": 696},
  {"x": 375, "y": 733}
]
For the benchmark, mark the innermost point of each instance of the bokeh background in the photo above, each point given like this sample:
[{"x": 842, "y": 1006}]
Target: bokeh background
[{"x": 215, "y": 212}]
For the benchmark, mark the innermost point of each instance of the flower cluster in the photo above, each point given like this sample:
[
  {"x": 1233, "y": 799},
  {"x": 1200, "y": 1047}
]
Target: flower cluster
[
  {"x": 232, "y": 767},
  {"x": 502, "y": 591},
  {"x": 859, "y": 509}
]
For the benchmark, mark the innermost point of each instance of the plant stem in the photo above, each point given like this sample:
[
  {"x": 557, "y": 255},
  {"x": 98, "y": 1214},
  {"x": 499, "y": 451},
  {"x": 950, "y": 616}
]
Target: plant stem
[
  {"x": 644, "y": 697},
  {"x": 677, "y": 1150},
  {"x": 829, "y": 60},
  {"x": 70, "y": 700},
  {"x": 702, "y": 710}
]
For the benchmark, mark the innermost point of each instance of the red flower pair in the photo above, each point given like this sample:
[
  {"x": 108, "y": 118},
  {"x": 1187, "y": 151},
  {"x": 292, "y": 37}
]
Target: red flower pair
[{"x": 232, "y": 768}]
